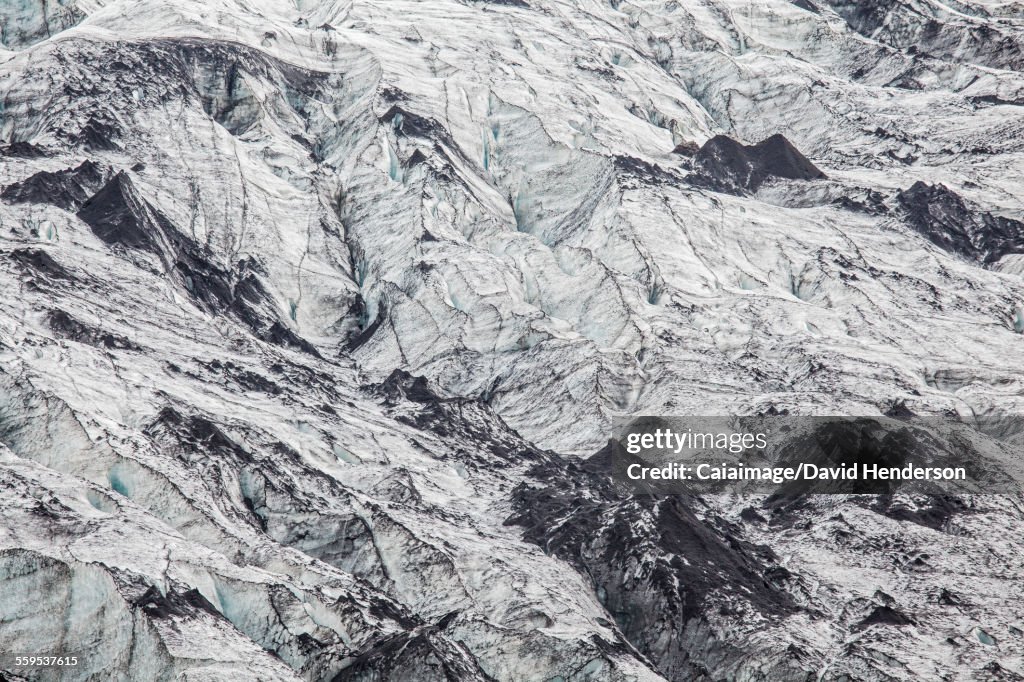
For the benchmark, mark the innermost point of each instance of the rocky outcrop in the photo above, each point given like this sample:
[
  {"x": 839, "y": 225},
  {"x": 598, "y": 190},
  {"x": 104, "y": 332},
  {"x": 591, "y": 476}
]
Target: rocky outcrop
[
  {"x": 945, "y": 219},
  {"x": 730, "y": 166},
  {"x": 67, "y": 189}
]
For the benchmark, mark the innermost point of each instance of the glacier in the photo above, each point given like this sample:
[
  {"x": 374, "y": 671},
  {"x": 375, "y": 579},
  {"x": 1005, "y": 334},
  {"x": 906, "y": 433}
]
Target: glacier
[{"x": 317, "y": 316}]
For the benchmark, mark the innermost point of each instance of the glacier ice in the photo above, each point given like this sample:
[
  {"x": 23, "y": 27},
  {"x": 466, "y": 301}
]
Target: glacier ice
[{"x": 320, "y": 311}]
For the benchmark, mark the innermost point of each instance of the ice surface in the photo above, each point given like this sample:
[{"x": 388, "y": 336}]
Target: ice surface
[{"x": 299, "y": 295}]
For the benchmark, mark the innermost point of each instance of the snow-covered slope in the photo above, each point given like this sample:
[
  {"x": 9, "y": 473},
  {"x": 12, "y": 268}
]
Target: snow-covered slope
[{"x": 312, "y": 307}]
